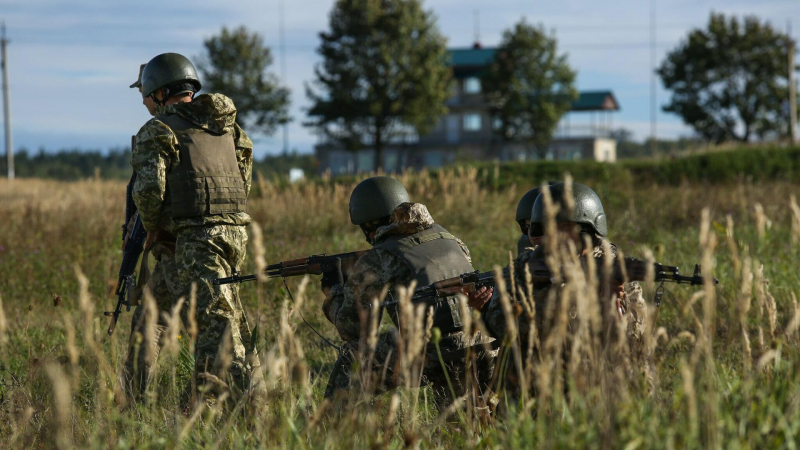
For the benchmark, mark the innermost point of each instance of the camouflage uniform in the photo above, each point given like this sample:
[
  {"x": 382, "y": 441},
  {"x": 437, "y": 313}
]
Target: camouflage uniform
[
  {"x": 205, "y": 248},
  {"x": 365, "y": 282},
  {"x": 632, "y": 303}
]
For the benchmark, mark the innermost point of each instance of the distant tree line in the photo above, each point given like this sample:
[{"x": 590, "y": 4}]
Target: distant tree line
[{"x": 76, "y": 164}]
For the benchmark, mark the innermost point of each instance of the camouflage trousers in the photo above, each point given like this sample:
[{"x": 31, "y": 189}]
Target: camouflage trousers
[
  {"x": 225, "y": 359},
  {"x": 385, "y": 375}
]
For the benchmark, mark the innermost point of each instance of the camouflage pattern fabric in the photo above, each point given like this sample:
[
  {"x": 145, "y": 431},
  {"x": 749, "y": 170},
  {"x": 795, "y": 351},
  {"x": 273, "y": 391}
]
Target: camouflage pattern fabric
[
  {"x": 206, "y": 248},
  {"x": 157, "y": 152},
  {"x": 202, "y": 255},
  {"x": 633, "y": 306},
  {"x": 138, "y": 367},
  {"x": 365, "y": 282}
]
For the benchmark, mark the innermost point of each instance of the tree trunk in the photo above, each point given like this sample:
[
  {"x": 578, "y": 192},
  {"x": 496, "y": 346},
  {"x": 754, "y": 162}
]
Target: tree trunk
[{"x": 378, "y": 148}]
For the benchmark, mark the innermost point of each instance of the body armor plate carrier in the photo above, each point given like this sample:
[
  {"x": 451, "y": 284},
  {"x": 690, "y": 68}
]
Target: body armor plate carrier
[
  {"x": 432, "y": 255},
  {"x": 207, "y": 181}
]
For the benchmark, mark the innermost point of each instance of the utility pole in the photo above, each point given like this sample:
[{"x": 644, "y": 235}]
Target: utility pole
[
  {"x": 653, "y": 103},
  {"x": 6, "y": 107},
  {"x": 282, "y": 42},
  {"x": 792, "y": 90}
]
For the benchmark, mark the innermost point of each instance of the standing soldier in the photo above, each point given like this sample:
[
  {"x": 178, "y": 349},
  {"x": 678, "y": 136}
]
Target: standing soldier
[
  {"x": 406, "y": 246},
  {"x": 193, "y": 168}
]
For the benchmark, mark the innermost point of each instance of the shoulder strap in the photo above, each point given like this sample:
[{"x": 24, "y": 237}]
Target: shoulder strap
[{"x": 413, "y": 241}]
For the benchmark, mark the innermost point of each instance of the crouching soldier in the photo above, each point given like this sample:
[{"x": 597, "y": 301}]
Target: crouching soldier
[
  {"x": 523, "y": 218},
  {"x": 575, "y": 222},
  {"x": 406, "y": 246}
]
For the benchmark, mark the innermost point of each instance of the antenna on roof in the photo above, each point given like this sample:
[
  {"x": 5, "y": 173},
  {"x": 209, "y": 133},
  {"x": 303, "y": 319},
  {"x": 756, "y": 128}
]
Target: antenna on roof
[{"x": 477, "y": 25}]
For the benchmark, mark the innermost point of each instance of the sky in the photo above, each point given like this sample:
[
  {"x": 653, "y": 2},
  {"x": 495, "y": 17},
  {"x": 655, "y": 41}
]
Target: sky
[{"x": 71, "y": 62}]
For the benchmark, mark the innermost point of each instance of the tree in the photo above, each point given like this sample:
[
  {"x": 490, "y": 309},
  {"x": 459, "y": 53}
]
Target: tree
[
  {"x": 383, "y": 74},
  {"x": 235, "y": 64},
  {"x": 729, "y": 80},
  {"x": 529, "y": 86}
]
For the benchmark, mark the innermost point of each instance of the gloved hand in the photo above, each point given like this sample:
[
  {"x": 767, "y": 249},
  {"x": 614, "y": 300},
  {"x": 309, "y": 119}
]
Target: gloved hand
[{"x": 333, "y": 275}]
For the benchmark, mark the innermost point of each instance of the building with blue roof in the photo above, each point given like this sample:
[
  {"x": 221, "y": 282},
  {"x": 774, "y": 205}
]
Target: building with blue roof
[{"x": 467, "y": 131}]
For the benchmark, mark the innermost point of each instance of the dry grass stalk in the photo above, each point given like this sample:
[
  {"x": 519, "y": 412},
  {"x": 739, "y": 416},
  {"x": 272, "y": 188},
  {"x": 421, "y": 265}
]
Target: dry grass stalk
[
  {"x": 762, "y": 221},
  {"x": 72, "y": 350},
  {"x": 3, "y": 329},
  {"x": 795, "y": 219},
  {"x": 743, "y": 307},
  {"x": 512, "y": 331},
  {"x": 63, "y": 406},
  {"x": 259, "y": 255},
  {"x": 173, "y": 321},
  {"x": 691, "y": 396},
  {"x": 191, "y": 315},
  {"x": 732, "y": 247},
  {"x": 794, "y": 323}
]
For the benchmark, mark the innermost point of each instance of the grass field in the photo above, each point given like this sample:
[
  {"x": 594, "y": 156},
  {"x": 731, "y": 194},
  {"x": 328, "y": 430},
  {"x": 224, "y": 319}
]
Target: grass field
[{"x": 726, "y": 362}]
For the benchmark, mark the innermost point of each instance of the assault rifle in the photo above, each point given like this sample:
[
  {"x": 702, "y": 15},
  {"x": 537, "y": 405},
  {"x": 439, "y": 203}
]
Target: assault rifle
[
  {"x": 635, "y": 270},
  {"x": 133, "y": 239},
  {"x": 311, "y": 265}
]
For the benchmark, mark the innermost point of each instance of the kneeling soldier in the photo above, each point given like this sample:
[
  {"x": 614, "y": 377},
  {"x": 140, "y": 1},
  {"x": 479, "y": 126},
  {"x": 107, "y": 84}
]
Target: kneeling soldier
[
  {"x": 585, "y": 217},
  {"x": 406, "y": 246}
]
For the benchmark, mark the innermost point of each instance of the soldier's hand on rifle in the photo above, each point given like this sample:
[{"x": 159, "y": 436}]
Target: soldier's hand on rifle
[
  {"x": 332, "y": 277},
  {"x": 478, "y": 298}
]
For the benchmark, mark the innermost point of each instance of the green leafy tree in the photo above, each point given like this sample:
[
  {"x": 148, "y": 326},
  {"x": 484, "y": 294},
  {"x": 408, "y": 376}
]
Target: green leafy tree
[
  {"x": 383, "y": 75},
  {"x": 730, "y": 80},
  {"x": 529, "y": 86},
  {"x": 235, "y": 64}
]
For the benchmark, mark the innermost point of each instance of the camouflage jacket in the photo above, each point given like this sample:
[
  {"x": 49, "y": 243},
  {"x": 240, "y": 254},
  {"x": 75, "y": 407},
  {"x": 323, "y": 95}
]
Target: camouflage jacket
[
  {"x": 156, "y": 153},
  {"x": 633, "y": 304},
  {"x": 376, "y": 269}
]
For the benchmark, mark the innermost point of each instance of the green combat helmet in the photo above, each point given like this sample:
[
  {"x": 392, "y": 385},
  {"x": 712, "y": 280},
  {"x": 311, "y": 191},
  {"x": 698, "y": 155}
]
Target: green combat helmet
[
  {"x": 168, "y": 69},
  {"x": 588, "y": 210},
  {"x": 525, "y": 206},
  {"x": 376, "y": 198}
]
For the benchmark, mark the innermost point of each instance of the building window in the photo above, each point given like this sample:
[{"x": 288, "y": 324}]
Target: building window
[
  {"x": 497, "y": 124},
  {"x": 472, "y": 85},
  {"x": 472, "y": 122}
]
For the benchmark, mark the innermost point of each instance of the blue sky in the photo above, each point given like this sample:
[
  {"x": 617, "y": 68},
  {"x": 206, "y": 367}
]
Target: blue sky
[{"x": 71, "y": 61}]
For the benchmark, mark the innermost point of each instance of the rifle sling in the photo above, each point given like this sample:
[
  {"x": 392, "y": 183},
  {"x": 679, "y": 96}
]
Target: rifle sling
[{"x": 142, "y": 279}]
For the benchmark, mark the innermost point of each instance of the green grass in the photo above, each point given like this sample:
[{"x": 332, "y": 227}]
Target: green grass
[{"x": 49, "y": 229}]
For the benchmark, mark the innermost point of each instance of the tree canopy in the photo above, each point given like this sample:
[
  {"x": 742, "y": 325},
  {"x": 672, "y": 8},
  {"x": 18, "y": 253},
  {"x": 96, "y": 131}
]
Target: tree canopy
[
  {"x": 730, "y": 80},
  {"x": 236, "y": 64},
  {"x": 383, "y": 76},
  {"x": 530, "y": 85}
]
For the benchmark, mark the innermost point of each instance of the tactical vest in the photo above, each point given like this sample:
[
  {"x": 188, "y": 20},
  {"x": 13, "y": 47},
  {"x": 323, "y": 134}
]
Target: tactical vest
[
  {"x": 432, "y": 255},
  {"x": 207, "y": 181}
]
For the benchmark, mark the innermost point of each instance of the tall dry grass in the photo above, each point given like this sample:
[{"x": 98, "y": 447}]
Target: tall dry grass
[{"x": 720, "y": 369}]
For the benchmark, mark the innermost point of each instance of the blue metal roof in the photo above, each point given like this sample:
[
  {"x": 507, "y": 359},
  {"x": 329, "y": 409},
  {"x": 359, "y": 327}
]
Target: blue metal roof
[{"x": 470, "y": 57}]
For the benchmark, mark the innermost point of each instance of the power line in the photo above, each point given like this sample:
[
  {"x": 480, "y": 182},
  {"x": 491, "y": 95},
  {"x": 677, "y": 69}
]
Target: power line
[
  {"x": 282, "y": 43},
  {"x": 6, "y": 101},
  {"x": 653, "y": 102}
]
